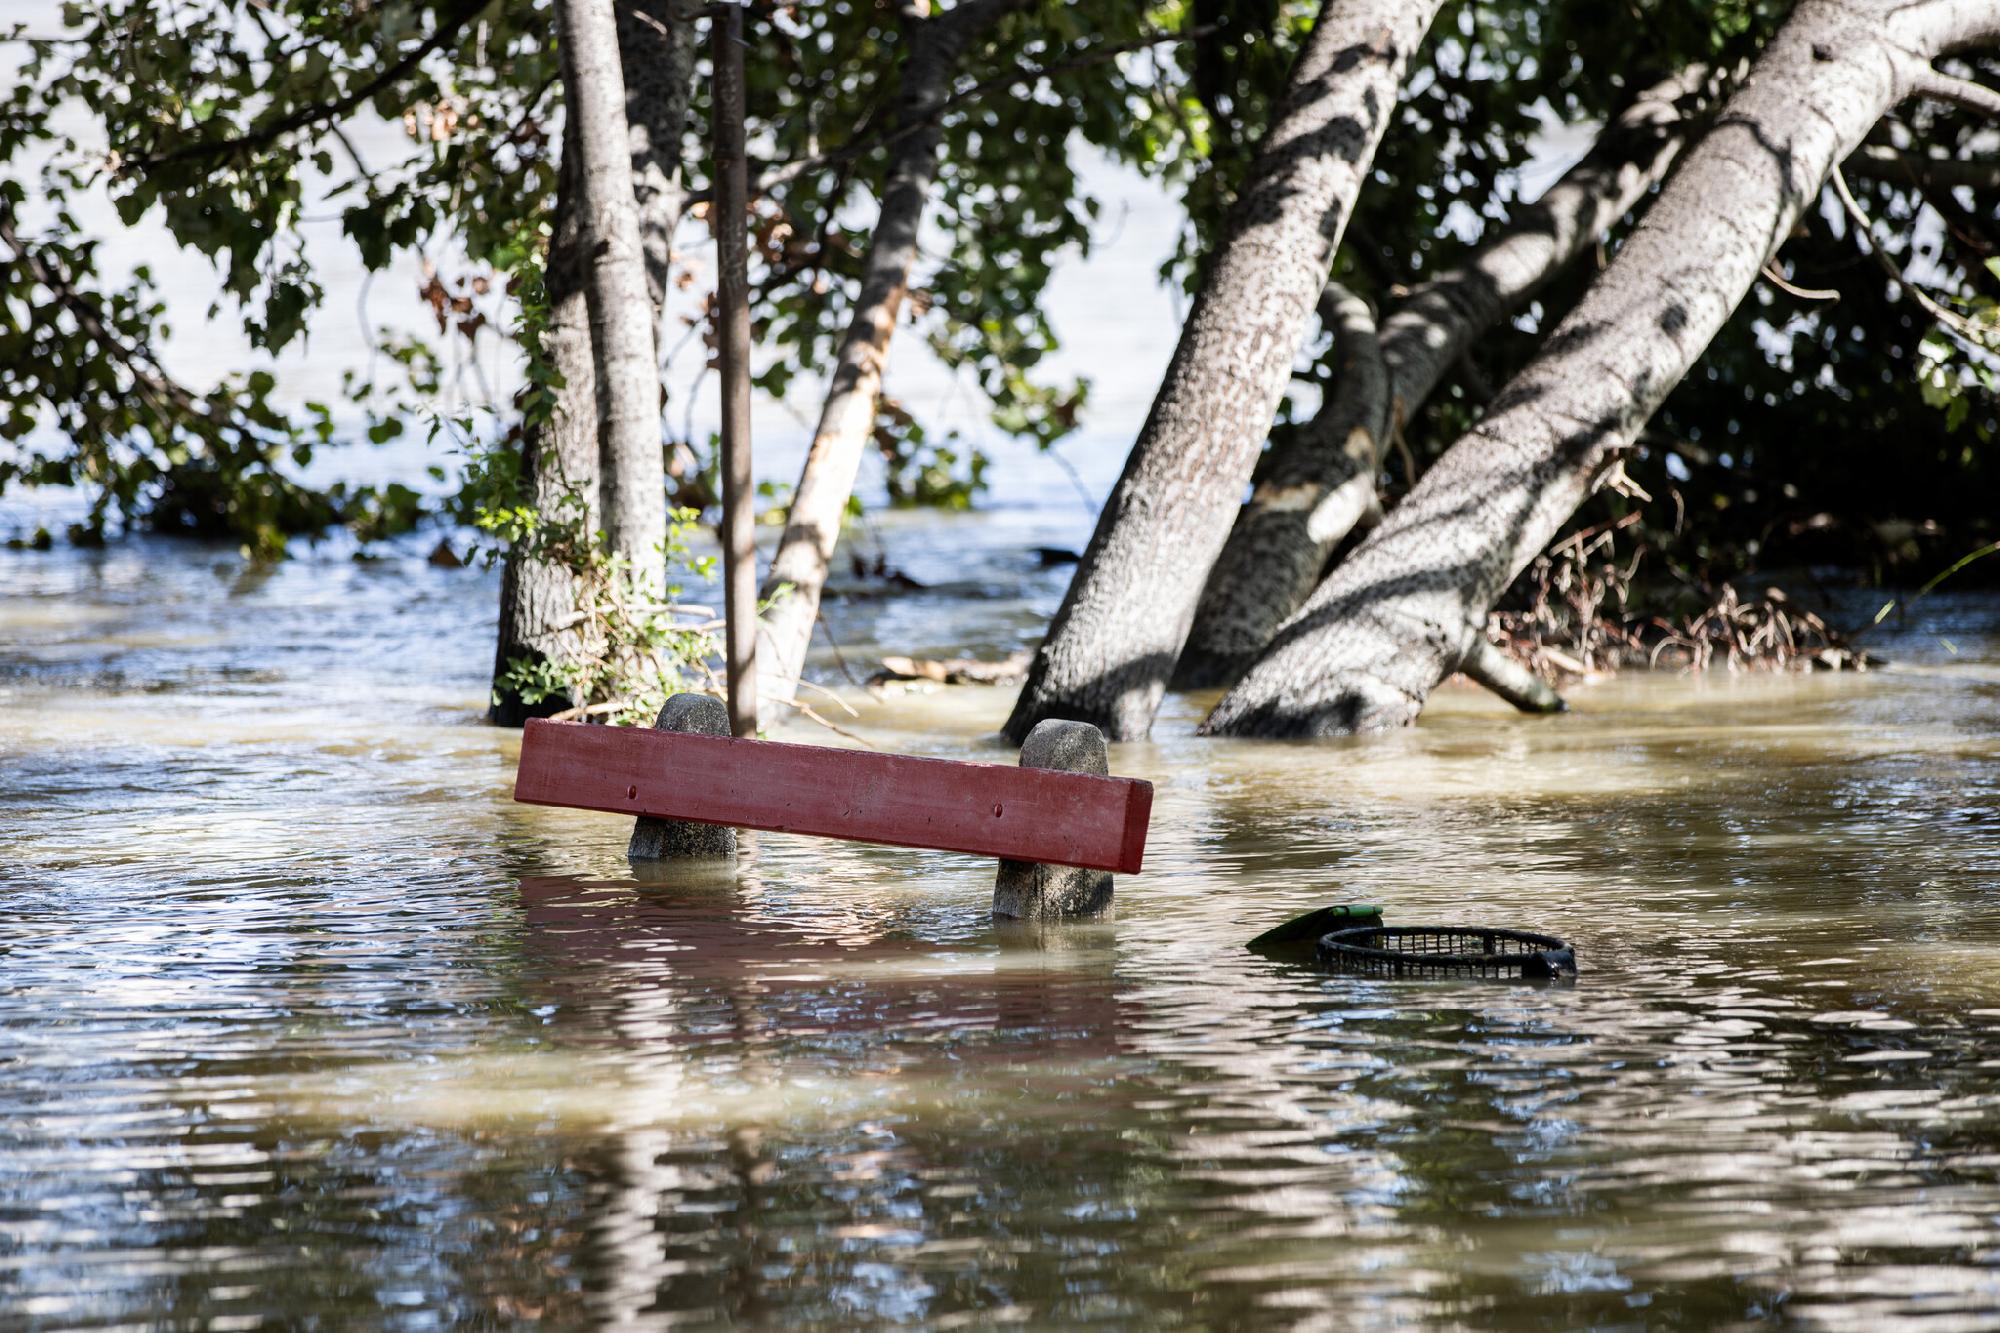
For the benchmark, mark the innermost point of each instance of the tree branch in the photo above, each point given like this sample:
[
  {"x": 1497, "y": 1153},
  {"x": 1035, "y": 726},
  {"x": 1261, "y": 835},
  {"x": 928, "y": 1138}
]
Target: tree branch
[
  {"x": 1879, "y": 162},
  {"x": 1486, "y": 664},
  {"x": 1951, "y": 319},
  {"x": 1777, "y": 279},
  {"x": 783, "y": 173},
  {"x": 1941, "y": 87},
  {"x": 257, "y": 136},
  {"x": 149, "y": 378}
]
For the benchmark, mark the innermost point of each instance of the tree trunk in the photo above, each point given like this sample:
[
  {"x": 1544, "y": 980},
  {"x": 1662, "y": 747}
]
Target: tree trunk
[
  {"x": 1320, "y": 483},
  {"x": 847, "y": 419},
  {"x": 632, "y": 474},
  {"x": 1402, "y": 612},
  {"x": 1315, "y": 489},
  {"x": 1122, "y": 625},
  {"x": 656, "y": 52},
  {"x": 537, "y": 599}
]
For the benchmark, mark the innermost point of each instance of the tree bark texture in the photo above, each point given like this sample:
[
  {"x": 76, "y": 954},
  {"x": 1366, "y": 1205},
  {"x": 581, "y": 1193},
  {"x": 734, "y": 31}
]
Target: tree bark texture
[
  {"x": 538, "y": 600},
  {"x": 656, "y": 52},
  {"x": 1486, "y": 663},
  {"x": 1316, "y": 487},
  {"x": 1320, "y": 483},
  {"x": 1114, "y": 643},
  {"x": 798, "y": 571},
  {"x": 632, "y": 473},
  {"x": 1402, "y": 612}
]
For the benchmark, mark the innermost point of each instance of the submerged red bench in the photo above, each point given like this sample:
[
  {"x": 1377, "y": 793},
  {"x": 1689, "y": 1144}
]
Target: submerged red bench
[{"x": 1018, "y": 814}]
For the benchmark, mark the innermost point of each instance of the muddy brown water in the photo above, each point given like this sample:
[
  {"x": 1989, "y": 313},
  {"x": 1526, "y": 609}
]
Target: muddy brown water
[{"x": 301, "y": 1020}]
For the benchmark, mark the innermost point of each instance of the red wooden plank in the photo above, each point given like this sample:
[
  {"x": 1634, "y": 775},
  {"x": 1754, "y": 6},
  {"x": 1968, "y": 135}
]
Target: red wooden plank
[{"x": 1023, "y": 814}]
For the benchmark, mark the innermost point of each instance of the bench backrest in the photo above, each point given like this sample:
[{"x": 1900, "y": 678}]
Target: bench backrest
[{"x": 1020, "y": 814}]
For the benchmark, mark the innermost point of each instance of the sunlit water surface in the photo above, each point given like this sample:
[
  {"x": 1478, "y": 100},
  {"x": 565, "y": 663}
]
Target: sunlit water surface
[{"x": 301, "y": 1018}]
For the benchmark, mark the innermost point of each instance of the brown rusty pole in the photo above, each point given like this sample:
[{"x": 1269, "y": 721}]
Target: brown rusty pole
[{"x": 739, "y": 543}]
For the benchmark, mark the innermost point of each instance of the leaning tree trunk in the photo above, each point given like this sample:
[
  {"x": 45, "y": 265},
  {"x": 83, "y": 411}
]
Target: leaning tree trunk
[
  {"x": 847, "y": 419},
  {"x": 559, "y": 457},
  {"x": 1319, "y": 485},
  {"x": 632, "y": 475},
  {"x": 1122, "y": 625},
  {"x": 1403, "y": 611}
]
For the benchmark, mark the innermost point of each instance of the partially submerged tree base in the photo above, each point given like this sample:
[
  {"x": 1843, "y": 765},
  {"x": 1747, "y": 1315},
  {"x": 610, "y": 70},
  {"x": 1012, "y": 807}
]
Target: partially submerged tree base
[
  {"x": 1320, "y": 485},
  {"x": 1114, "y": 642},
  {"x": 1487, "y": 665},
  {"x": 1398, "y": 615}
]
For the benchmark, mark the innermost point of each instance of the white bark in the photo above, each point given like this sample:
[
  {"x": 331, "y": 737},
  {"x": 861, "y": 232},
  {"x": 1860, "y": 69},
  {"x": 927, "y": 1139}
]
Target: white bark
[
  {"x": 632, "y": 474},
  {"x": 1121, "y": 628},
  {"x": 1319, "y": 485},
  {"x": 847, "y": 419},
  {"x": 1401, "y": 613}
]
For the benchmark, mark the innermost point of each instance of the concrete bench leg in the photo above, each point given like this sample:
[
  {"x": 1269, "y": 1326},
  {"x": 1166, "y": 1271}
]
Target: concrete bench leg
[
  {"x": 1030, "y": 890},
  {"x": 680, "y": 839}
]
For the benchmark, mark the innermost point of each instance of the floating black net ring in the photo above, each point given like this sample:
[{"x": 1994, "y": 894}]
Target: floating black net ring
[{"x": 1445, "y": 951}]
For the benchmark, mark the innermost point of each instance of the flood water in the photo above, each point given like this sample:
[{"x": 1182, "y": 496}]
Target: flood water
[{"x": 301, "y": 1019}]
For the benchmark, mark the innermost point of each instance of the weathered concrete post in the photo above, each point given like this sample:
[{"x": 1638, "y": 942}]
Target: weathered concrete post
[
  {"x": 678, "y": 839},
  {"x": 1031, "y": 890}
]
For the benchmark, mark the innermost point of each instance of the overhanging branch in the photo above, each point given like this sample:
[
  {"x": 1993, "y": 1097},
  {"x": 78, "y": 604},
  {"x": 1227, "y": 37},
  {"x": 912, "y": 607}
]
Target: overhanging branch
[
  {"x": 267, "y": 132},
  {"x": 1967, "y": 329},
  {"x": 1879, "y": 162},
  {"x": 783, "y": 173},
  {"x": 1942, "y": 87},
  {"x": 167, "y": 397}
]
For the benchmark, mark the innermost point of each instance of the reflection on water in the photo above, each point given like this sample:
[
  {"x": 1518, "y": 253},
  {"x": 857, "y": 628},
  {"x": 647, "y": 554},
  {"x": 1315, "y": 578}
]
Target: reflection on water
[{"x": 300, "y": 1016}]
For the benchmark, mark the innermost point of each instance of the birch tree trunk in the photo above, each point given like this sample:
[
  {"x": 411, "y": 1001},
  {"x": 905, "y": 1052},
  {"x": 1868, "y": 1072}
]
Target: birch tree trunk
[
  {"x": 847, "y": 419},
  {"x": 632, "y": 473},
  {"x": 1321, "y": 483},
  {"x": 1122, "y": 625},
  {"x": 538, "y": 599},
  {"x": 1403, "y": 611}
]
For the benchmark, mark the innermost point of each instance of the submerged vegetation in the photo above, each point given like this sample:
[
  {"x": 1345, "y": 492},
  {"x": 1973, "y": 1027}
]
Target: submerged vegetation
[{"x": 1574, "y": 614}]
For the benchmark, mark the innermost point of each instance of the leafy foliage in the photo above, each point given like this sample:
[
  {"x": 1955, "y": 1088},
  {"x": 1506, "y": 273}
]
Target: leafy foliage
[
  {"x": 631, "y": 642},
  {"x": 210, "y": 121},
  {"x": 216, "y": 122},
  {"x": 643, "y": 643}
]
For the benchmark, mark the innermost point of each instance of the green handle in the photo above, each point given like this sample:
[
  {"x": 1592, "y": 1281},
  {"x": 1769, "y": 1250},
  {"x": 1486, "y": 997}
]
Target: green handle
[{"x": 1306, "y": 929}]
